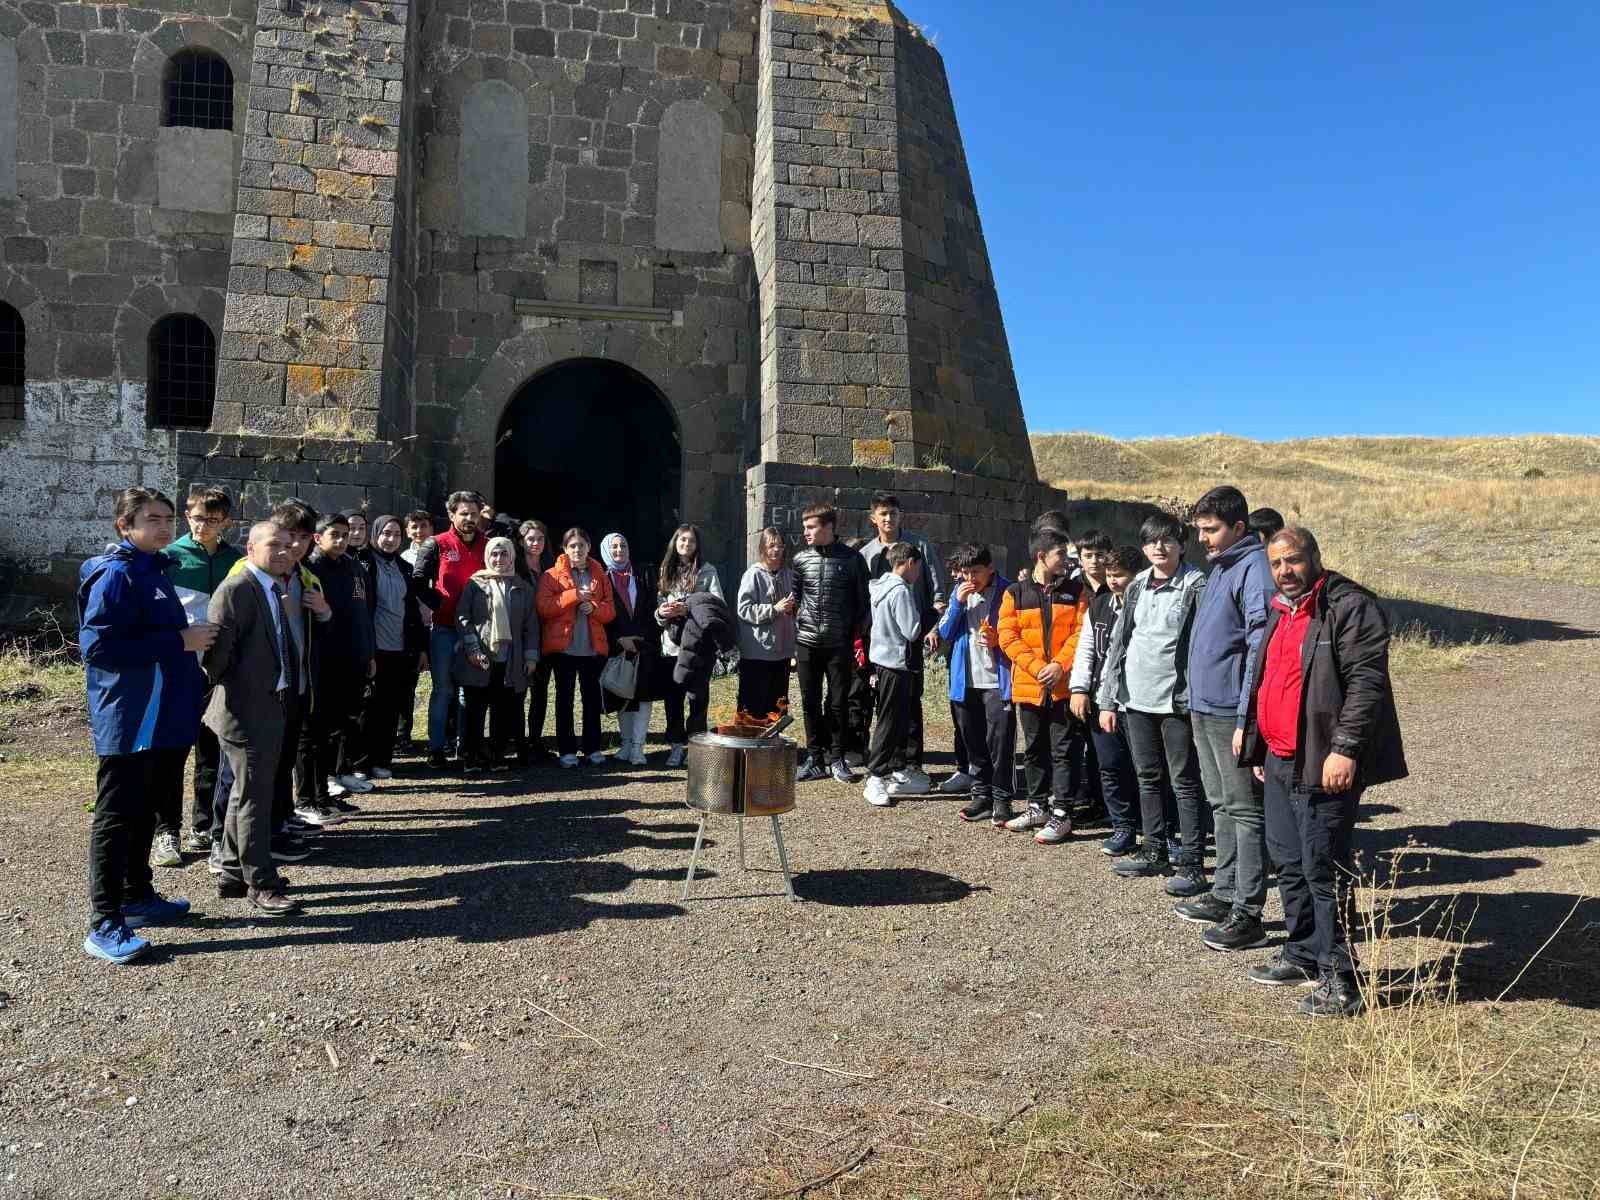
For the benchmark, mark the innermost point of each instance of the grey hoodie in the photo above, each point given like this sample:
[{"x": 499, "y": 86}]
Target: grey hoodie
[{"x": 896, "y": 623}]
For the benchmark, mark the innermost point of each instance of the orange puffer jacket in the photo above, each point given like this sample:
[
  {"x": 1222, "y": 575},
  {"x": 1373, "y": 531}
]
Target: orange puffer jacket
[
  {"x": 558, "y": 607},
  {"x": 1032, "y": 618}
]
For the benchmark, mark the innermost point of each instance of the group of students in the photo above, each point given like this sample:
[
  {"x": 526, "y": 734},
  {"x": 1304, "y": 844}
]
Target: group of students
[{"x": 1248, "y": 705}]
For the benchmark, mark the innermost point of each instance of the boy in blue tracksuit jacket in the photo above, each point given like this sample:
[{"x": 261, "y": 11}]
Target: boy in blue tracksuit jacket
[
  {"x": 1224, "y": 642},
  {"x": 980, "y": 681},
  {"x": 145, "y": 690}
]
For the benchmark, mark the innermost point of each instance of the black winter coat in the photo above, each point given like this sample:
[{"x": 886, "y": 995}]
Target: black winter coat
[
  {"x": 708, "y": 628},
  {"x": 1346, "y": 699},
  {"x": 830, "y": 583},
  {"x": 641, "y": 623}
]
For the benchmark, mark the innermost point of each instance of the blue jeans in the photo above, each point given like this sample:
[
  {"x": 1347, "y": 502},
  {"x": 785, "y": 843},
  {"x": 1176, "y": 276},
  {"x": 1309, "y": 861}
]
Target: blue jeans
[{"x": 441, "y": 656}]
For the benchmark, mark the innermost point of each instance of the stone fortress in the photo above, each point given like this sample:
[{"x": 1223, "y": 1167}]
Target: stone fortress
[{"x": 617, "y": 262}]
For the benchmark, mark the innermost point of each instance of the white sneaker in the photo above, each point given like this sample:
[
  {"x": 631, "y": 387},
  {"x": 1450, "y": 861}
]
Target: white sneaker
[
  {"x": 336, "y": 790},
  {"x": 877, "y": 792},
  {"x": 382, "y": 773},
  {"x": 677, "y": 756},
  {"x": 958, "y": 784},
  {"x": 164, "y": 851},
  {"x": 357, "y": 783},
  {"x": 910, "y": 782},
  {"x": 1032, "y": 817},
  {"x": 597, "y": 759},
  {"x": 568, "y": 760}
]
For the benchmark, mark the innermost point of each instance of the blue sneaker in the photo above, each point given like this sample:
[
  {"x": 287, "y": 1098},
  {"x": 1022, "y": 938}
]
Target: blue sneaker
[
  {"x": 113, "y": 941},
  {"x": 154, "y": 911},
  {"x": 1124, "y": 841},
  {"x": 1175, "y": 849}
]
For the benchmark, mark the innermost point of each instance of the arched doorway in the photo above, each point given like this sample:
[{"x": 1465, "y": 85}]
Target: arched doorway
[{"x": 593, "y": 443}]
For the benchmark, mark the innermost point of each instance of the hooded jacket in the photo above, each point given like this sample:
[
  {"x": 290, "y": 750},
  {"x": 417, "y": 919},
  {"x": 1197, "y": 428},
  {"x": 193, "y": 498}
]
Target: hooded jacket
[
  {"x": 1039, "y": 626},
  {"x": 929, "y": 592},
  {"x": 1228, "y": 624},
  {"x": 765, "y": 635},
  {"x": 708, "y": 628},
  {"x": 896, "y": 620},
  {"x": 145, "y": 690},
  {"x": 196, "y": 574},
  {"x": 1346, "y": 697},
  {"x": 953, "y": 631},
  {"x": 348, "y": 641}
]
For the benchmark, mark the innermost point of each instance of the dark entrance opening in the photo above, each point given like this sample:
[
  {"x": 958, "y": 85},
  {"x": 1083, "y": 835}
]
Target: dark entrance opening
[{"x": 590, "y": 442}]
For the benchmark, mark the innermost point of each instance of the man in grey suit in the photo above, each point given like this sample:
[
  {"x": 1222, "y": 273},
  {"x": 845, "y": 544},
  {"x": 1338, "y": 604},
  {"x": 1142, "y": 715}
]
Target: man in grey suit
[{"x": 259, "y": 685}]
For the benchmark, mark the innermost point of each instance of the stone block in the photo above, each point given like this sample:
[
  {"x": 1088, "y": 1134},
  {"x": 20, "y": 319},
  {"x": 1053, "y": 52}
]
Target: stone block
[
  {"x": 250, "y": 384},
  {"x": 303, "y": 385},
  {"x": 492, "y": 161},
  {"x": 834, "y": 227},
  {"x": 882, "y": 232},
  {"x": 809, "y": 418},
  {"x": 688, "y": 214},
  {"x": 255, "y": 314}
]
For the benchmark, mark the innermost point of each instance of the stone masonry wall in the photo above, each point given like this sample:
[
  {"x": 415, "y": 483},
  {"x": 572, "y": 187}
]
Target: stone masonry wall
[{"x": 308, "y": 289}]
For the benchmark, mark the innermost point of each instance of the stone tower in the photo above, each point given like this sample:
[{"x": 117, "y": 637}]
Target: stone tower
[{"x": 622, "y": 263}]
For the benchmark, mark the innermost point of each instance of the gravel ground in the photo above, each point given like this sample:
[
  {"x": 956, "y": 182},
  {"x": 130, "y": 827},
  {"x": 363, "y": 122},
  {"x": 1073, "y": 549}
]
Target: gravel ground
[{"x": 496, "y": 989}]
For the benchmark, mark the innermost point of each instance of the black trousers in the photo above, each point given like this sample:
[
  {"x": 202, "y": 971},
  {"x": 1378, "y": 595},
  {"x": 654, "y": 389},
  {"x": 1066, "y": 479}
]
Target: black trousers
[
  {"x": 168, "y": 803},
  {"x": 539, "y": 700},
  {"x": 405, "y": 723},
  {"x": 963, "y": 759},
  {"x": 1309, "y": 836},
  {"x": 858, "y": 709},
  {"x": 1164, "y": 755},
  {"x": 127, "y": 790},
  {"x": 989, "y": 728},
  {"x": 335, "y": 717},
  {"x": 825, "y": 727},
  {"x": 1051, "y": 737},
  {"x": 580, "y": 674},
  {"x": 892, "y": 721},
  {"x": 207, "y": 762},
  {"x": 675, "y": 698},
  {"x": 1119, "y": 788},
  {"x": 504, "y": 710},
  {"x": 762, "y": 684},
  {"x": 385, "y": 712}
]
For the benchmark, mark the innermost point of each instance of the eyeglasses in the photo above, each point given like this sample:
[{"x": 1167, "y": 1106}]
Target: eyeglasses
[
  {"x": 208, "y": 520},
  {"x": 1164, "y": 541}
]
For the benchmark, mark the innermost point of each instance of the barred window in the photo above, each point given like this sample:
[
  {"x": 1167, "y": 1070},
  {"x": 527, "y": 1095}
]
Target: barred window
[
  {"x": 199, "y": 91},
  {"x": 183, "y": 373},
  {"x": 13, "y": 344}
]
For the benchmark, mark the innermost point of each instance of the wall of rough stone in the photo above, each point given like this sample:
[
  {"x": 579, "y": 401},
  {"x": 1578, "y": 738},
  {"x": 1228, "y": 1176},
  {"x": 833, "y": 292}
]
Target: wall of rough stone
[
  {"x": 87, "y": 439},
  {"x": 598, "y": 268},
  {"x": 97, "y": 242}
]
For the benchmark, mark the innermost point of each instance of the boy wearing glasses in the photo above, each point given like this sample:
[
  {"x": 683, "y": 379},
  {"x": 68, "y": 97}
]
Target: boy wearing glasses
[
  {"x": 197, "y": 563},
  {"x": 1144, "y": 688}
]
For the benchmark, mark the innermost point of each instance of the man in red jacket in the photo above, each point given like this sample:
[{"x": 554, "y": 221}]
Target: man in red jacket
[
  {"x": 1321, "y": 728},
  {"x": 444, "y": 565}
]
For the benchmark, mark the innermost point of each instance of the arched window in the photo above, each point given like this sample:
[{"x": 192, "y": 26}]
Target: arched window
[
  {"x": 199, "y": 91},
  {"x": 183, "y": 373},
  {"x": 13, "y": 346}
]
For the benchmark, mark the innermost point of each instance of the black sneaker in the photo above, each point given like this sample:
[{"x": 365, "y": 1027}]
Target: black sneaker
[
  {"x": 1189, "y": 881},
  {"x": 977, "y": 808},
  {"x": 1336, "y": 996},
  {"x": 1278, "y": 971},
  {"x": 1001, "y": 812},
  {"x": 841, "y": 772},
  {"x": 1205, "y": 910},
  {"x": 810, "y": 769},
  {"x": 289, "y": 849},
  {"x": 1123, "y": 841},
  {"x": 343, "y": 805},
  {"x": 231, "y": 889},
  {"x": 438, "y": 760},
  {"x": 1239, "y": 932},
  {"x": 471, "y": 769},
  {"x": 1148, "y": 863}
]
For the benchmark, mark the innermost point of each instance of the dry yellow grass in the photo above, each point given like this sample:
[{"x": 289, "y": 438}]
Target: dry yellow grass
[{"x": 1377, "y": 505}]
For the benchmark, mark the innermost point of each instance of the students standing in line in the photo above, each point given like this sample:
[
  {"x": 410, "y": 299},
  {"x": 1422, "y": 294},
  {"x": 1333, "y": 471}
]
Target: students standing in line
[
  {"x": 575, "y": 603},
  {"x": 145, "y": 689},
  {"x": 683, "y": 573},
  {"x": 632, "y": 632},
  {"x": 766, "y": 607}
]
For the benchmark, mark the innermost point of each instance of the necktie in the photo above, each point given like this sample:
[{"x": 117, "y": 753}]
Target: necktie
[{"x": 286, "y": 643}]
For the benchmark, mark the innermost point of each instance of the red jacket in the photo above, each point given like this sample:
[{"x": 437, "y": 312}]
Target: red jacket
[{"x": 558, "y": 607}]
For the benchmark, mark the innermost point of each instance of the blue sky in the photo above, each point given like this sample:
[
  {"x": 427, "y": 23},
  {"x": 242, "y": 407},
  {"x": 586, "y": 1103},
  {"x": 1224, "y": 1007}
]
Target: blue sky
[{"x": 1285, "y": 220}]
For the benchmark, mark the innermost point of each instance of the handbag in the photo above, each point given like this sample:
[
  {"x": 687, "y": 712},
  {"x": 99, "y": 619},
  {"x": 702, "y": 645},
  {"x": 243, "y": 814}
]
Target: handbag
[{"x": 621, "y": 675}]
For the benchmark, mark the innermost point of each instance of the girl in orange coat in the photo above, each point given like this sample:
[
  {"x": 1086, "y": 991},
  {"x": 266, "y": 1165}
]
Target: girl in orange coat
[{"x": 575, "y": 603}]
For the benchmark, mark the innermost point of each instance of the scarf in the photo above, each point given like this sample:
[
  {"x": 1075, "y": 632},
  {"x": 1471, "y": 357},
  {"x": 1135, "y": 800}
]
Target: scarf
[
  {"x": 372, "y": 537},
  {"x": 621, "y": 577},
  {"x": 497, "y": 584}
]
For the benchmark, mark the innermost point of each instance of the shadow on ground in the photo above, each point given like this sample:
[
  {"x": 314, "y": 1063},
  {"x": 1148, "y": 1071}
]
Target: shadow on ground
[{"x": 1458, "y": 626}]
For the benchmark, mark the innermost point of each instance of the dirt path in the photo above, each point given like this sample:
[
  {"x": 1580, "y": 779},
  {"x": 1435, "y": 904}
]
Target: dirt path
[{"x": 497, "y": 984}]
